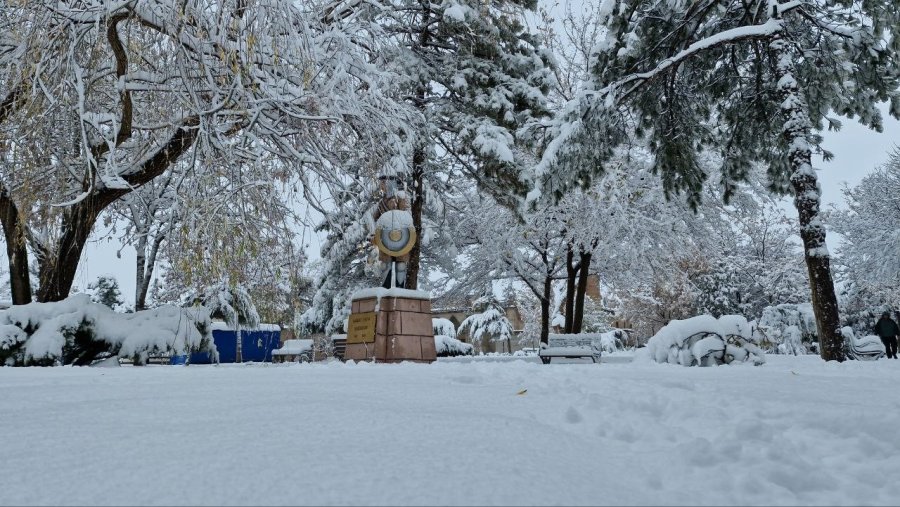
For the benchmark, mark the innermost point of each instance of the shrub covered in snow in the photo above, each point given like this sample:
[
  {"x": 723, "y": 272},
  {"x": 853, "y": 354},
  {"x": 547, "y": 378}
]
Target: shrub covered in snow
[
  {"x": 788, "y": 329},
  {"x": 612, "y": 341},
  {"x": 705, "y": 341},
  {"x": 492, "y": 323},
  {"x": 443, "y": 327},
  {"x": 78, "y": 331},
  {"x": 451, "y": 347}
]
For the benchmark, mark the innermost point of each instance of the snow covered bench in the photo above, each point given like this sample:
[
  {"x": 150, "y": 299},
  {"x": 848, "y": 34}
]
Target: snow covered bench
[
  {"x": 867, "y": 348},
  {"x": 570, "y": 346},
  {"x": 294, "y": 351}
]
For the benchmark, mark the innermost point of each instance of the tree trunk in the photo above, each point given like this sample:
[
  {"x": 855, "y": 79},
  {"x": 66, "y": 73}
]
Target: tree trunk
[
  {"x": 571, "y": 275},
  {"x": 796, "y": 132},
  {"x": 57, "y": 268},
  {"x": 140, "y": 292},
  {"x": 584, "y": 265},
  {"x": 545, "y": 309},
  {"x": 13, "y": 226},
  {"x": 418, "y": 202},
  {"x": 145, "y": 271},
  {"x": 16, "y": 249},
  {"x": 238, "y": 345},
  {"x": 419, "y": 160}
]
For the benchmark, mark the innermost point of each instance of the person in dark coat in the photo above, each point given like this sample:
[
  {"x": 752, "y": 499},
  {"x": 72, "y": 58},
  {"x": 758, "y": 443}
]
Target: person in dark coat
[{"x": 887, "y": 329}]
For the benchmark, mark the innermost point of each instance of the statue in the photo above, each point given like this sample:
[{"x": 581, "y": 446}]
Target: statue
[
  {"x": 395, "y": 233},
  {"x": 391, "y": 324}
]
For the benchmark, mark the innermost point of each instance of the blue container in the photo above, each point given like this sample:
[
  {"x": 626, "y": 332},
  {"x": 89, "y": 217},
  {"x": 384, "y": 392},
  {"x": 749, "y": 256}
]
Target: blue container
[
  {"x": 256, "y": 345},
  {"x": 180, "y": 359}
]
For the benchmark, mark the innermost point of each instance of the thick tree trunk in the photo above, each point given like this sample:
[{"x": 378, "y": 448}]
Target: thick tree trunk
[
  {"x": 140, "y": 292},
  {"x": 545, "y": 310},
  {"x": 16, "y": 249},
  {"x": 419, "y": 160},
  {"x": 416, "y": 206},
  {"x": 238, "y": 353},
  {"x": 584, "y": 265},
  {"x": 13, "y": 226},
  {"x": 571, "y": 278},
  {"x": 796, "y": 131},
  {"x": 57, "y": 268}
]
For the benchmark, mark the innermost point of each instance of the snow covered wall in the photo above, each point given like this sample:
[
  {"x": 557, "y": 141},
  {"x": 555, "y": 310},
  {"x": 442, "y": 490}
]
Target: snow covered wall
[
  {"x": 78, "y": 331},
  {"x": 705, "y": 341}
]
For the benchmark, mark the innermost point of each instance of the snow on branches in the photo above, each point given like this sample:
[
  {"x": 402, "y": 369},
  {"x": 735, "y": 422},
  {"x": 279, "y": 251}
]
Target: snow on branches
[{"x": 870, "y": 226}]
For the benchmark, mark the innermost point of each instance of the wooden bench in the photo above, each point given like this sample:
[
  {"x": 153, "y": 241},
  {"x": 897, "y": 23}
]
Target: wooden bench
[
  {"x": 339, "y": 345},
  {"x": 570, "y": 346}
]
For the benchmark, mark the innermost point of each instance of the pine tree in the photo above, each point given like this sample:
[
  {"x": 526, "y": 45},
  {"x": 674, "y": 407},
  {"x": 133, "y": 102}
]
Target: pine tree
[
  {"x": 476, "y": 76},
  {"x": 490, "y": 322},
  {"x": 106, "y": 292},
  {"x": 473, "y": 76}
]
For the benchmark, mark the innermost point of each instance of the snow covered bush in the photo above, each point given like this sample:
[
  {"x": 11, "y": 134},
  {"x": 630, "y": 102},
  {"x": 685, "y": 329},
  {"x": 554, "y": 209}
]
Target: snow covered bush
[
  {"x": 612, "y": 341},
  {"x": 492, "y": 323},
  {"x": 443, "y": 327},
  {"x": 447, "y": 346},
  {"x": 78, "y": 331},
  {"x": 788, "y": 329},
  {"x": 706, "y": 341}
]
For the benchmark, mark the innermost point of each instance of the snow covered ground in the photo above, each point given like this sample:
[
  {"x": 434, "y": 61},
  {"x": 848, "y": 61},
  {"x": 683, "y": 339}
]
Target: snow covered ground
[{"x": 794, "y": 431}]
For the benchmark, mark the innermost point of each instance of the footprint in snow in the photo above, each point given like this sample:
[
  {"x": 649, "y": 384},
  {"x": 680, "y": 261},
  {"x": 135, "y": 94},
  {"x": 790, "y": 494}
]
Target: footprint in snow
[{"x": 573, "y": 416}]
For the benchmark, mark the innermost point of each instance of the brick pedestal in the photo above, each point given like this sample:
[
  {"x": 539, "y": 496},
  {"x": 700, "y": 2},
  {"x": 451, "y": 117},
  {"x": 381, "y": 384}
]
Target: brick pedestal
[{"x": 403, "y": 330}]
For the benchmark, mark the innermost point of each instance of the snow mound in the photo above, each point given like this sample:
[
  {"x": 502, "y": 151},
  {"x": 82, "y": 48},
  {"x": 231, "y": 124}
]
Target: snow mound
[
  {"x": 705, "y": 341},
  {"x": 450, "y": 347},
  {"x": 442, "y": 326},
  {"x": 79, "y": 331}
]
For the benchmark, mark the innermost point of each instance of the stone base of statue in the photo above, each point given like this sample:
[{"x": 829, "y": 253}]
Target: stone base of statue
[{"x": 390, "y": 326}]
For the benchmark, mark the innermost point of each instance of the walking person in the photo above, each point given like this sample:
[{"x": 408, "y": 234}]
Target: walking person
[{"x": 887, "y": 329}]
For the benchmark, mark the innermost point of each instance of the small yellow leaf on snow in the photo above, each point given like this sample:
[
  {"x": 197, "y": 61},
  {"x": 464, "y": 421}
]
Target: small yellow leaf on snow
[{"x": 523, "y": 391}]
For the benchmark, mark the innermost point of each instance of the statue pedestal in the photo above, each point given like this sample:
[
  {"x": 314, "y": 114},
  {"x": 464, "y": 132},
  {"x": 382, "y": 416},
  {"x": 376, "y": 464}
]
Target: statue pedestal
[{"x": 390, "y": 326}]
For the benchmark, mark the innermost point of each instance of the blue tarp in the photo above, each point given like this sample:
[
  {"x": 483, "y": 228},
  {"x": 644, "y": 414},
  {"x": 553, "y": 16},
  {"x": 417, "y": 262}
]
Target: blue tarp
[{"x": 256, "y": 346}]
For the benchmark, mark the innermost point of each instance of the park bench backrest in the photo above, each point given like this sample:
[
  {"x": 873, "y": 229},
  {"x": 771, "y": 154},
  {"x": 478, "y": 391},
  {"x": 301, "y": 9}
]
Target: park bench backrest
[{"x": 572, "y": 340}]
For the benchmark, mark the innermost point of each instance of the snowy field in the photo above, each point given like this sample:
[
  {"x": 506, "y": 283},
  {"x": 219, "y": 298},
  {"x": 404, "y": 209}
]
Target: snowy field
[{"x": 794, "y": 431}]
